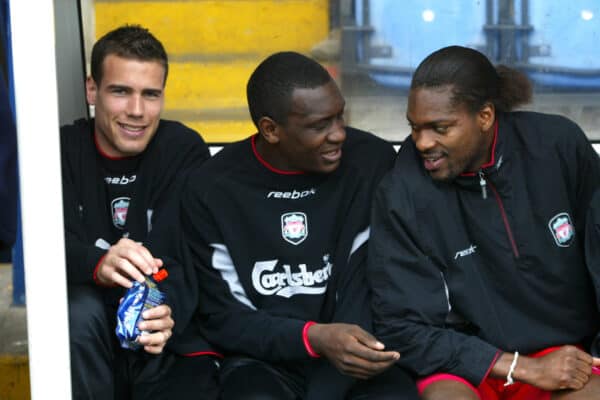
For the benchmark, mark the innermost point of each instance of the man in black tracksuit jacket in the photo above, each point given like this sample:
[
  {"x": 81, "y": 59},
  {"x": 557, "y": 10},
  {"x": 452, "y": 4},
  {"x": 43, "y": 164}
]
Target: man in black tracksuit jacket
[
  {"x": 472, "y": 259},
  {"x": 119, "y": 170},
  {"x": 92, "y": 187},
  {"x": 276, "y": 227}
]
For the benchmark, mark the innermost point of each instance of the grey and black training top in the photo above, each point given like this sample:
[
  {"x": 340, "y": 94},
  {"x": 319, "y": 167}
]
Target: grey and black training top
[{"x": 272, "y": 249}]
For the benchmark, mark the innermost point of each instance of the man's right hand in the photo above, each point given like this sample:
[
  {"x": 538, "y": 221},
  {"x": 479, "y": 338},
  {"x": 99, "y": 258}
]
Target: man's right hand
[
  {"x": 126, "y": 261},
  {"x": 351, "y": 349},
  {"x": 565, "y": 368}
]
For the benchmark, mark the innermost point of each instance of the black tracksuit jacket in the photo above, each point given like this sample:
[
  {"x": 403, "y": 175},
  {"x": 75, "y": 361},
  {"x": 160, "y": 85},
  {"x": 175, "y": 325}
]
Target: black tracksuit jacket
[
  {"x": 457, "y": 278},
  {"x": 173, "y": 149},
  {"x": 592, "y": 253}
]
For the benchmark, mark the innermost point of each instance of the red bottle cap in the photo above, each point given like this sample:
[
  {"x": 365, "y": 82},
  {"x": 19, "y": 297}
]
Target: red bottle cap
[{"x": 161, "y": 275}]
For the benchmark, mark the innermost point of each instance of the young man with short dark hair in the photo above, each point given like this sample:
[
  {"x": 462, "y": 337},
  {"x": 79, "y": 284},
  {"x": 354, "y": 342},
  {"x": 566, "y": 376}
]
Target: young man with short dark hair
[{"x": 118, "y": 172}]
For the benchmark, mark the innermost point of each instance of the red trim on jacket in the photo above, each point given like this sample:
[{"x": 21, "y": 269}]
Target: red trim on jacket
[
  {"x": 102, "y": 153},
  {"x": 95, "y": 273},
  {"x": 204, "y": 353},
  {"x": 498, "y": 354},
  {"x": 267, "y": 165},
  {"x": 493, "y": 155}
]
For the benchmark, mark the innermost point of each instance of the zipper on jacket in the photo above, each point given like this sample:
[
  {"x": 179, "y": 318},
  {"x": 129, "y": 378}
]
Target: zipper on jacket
[
  {"x": 511, "y": 238},
  {"x": 482, "y": 184}
]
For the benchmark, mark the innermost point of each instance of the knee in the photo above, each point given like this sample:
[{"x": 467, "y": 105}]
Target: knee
[
  {"x": 393, "y": 384},
  {"x": 448, "y": 390},
  {"x": 253, "y": 381},
  {"x": 87, "y": 314}
]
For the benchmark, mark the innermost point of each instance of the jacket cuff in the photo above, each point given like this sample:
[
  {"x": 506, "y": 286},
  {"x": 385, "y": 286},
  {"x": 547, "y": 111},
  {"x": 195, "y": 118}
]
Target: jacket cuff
[
  {"x": 95, "y": 273},
  {"x": 498, "y": 353},
  {"x": 311, "y": 352},
  {"x": 477, "y": 365}
]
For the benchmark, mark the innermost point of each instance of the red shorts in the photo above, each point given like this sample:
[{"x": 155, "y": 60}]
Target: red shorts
[{"x": 494, "y": 389}]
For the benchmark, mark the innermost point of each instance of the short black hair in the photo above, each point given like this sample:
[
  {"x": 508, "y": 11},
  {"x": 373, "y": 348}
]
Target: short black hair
[
  {"x": 474, "y": 80},
  {"x": 128, "y": 41},
  {"x": 270, "y": 87}
]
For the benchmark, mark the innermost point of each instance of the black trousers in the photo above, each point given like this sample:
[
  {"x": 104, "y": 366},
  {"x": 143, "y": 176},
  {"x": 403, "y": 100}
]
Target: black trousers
[
  {"x": 249, "y": 379},
  {"x": 101, "y": 369}
]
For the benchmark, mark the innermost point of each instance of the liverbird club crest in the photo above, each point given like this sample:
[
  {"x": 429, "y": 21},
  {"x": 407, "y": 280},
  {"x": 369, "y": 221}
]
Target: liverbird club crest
[
  {"x": 562, "y": 229},
  {"x": 294, "y": 227},
  {"x": 119, "y": 207}
]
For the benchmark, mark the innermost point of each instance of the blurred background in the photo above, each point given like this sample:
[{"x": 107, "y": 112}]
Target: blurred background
[{"x": 370, "y": 46}]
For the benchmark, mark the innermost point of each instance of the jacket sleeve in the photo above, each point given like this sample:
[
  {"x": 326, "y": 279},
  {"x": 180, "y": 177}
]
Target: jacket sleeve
[
  {"x": 592, "y": 257},
  {"x": 166, "y": 242},
  {"x": 587, "y": 173},
  {"x": 228, "y": 318},
  {"x": 81, "y": 257},
  {"x": 352, "y": 295},
  {"x": 409, "y": 301}
]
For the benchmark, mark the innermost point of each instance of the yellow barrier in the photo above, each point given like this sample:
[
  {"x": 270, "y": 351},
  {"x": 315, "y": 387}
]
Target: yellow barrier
[
  {"x": 213, "y": 48},
  {"x": 222, "y": 27},
  {"x": 14, "y": 378}
]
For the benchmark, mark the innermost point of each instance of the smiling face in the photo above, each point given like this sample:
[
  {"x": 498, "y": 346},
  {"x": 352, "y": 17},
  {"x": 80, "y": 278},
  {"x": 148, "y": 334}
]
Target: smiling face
[
  {"x": 311, "y": 138},
  {"x": 128, "y": 102},
  {"x": 450, "y": 139}
]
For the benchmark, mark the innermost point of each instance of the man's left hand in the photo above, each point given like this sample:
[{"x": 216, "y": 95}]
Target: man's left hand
[{"x": 158, "y": 321}]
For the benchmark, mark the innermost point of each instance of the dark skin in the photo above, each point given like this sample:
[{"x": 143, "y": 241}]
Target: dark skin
[
  {"x": 449, "y": 139},
  {"x": 567, "y": 372},
  {"x": 452, "y": 140},
  {"x": 311, "y": 140}
]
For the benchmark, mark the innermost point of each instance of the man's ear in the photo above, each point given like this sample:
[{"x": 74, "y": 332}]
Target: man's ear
[
  {"x": 91, "y": 90},
  {"x": 269, "y": 130},
  {"x": 486, "y": 117}
]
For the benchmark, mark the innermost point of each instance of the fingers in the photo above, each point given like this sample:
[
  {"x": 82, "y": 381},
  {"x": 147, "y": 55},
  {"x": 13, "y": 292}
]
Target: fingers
[
  {"x": 576, "y": 369},
  {"x": 375, "y": 360},
  {"x": 367, "y": 339},
  {"x": 595, "y": 362},
  {"x": 119, "y": 271},
  {"x": 137, "y": 255},
  {"x": 157, "y": 326},
  {"x": 157, "y": 312},
  {"x": 127, "y": 260},
  {"x": 583, "y": 356},
  {"x": 351, "y": 349},
  {"x": 580, "y": 360},
  {"x": 362, "y": 369},
  {"x": 370, "y": 349},
  {"x": 155, "y": 342},
  {"x": 157, "y": 319},
  {"x": 362, "y": 362},
  {"x": 371, "y": 355}
]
